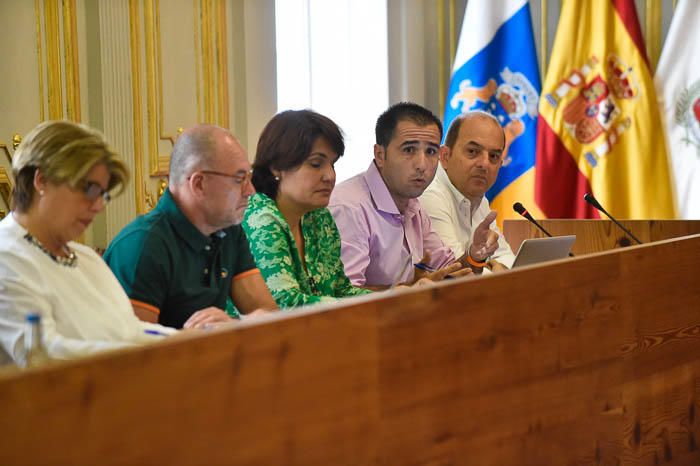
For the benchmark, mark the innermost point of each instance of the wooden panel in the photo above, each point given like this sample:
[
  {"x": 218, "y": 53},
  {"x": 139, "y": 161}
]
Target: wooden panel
[
  {"x": 599, "y": 235},
  {"x": 593, "y": 360},
  {"x": 303, "y": 389}
]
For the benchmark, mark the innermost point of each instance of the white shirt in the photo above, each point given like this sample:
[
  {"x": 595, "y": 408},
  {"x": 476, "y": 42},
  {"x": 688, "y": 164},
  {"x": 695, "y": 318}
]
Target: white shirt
[
  {"x": 450, "y": 213},
  {"x": 83, "y": 308}
]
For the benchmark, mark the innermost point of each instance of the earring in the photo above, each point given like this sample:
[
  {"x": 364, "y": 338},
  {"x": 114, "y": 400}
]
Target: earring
[
  {"x": 277, "y": 178},
  {"x": 41, "y": 192}
]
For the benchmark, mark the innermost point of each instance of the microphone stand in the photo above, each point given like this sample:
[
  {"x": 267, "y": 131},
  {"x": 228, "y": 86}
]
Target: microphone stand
[
  {"x": 588, "y": 197},
  {"x": 522, "y": 211}
]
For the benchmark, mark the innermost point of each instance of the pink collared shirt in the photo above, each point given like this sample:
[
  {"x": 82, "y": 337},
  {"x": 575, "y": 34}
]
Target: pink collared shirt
[{"x": 379, "y": 245}]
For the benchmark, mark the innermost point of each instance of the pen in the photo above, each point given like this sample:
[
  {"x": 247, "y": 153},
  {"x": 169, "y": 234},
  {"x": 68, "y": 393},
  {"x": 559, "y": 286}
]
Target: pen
[
  {"x": 422, "y": 266},
  {"x": 149, "y": 331},
  {"x": 427, "y": 268}
]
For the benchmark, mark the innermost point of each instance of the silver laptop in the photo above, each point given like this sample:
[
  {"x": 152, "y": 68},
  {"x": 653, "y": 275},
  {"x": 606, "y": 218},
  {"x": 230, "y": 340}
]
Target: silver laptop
[{"x": 533, "y": 251}]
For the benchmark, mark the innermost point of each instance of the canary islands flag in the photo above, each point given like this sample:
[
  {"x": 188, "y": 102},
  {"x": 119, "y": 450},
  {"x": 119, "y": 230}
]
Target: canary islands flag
[
  {"x": 495, "y": 70},
  {"x": 599, "y": 129}
]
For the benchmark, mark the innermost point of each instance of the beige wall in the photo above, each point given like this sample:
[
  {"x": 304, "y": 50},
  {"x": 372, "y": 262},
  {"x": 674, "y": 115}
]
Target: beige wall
[{"x": 139, "y": 70}]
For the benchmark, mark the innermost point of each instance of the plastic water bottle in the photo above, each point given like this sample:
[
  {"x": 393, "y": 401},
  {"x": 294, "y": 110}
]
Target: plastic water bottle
[{"x": 35, "y": 354}]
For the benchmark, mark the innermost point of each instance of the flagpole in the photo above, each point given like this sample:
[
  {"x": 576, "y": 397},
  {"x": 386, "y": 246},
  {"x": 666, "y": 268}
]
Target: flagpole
[
  {"x": 453, "y": 39},
  {"x": 442, "y": 85},
  {"x": 544, "y": 39},
  {"x": 653, "y": 32}
]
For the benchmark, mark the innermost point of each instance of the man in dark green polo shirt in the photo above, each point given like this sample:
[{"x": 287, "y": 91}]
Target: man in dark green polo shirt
[{"x": 187, "y": 262}]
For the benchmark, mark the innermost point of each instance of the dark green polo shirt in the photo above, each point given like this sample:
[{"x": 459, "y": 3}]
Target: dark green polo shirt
[{"x": 162, "y": 260}]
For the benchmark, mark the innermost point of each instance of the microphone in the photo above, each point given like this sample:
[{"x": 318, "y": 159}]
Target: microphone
[
  {"x": 519, "y": 208},
  {"x": 588, "y": 197}
]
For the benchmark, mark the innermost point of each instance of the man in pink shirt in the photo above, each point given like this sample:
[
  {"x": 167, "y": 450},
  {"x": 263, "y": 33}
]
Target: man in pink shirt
[{"x": 384, "y": 230}]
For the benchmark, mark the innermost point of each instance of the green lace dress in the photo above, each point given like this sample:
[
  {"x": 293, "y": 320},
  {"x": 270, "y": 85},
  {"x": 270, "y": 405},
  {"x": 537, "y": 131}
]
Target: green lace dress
[{"x": 277, "y": 257}]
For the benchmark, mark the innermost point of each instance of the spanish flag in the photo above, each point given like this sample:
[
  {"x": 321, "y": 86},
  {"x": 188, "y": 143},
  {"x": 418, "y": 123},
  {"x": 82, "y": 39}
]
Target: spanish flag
[{"x": 599, "y": 128}]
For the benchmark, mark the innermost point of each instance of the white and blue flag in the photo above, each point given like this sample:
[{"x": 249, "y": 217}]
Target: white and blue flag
[{"x": 495, "y": 70}]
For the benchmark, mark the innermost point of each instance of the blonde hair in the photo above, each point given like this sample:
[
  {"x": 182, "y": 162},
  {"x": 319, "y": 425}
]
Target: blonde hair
[{"x": 64, "y": 152}]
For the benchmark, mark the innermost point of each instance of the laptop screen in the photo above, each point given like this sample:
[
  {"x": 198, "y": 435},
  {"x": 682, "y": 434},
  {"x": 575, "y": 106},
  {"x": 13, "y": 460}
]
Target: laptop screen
[{"x": 536, "y": 250}]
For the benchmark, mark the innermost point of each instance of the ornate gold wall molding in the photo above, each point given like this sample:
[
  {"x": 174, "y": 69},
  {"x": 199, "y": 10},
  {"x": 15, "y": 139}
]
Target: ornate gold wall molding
[
  {"x": 5, "y": 187},
  {"x": 53, "y": 21},
  {"x": 211, "y": 61},
  {"x": 6, "y": 183},
  {"x": 220, "y": 35},
  {"x": 204, "y": 28},
  {"x": 72, "y": 75},
  {"x": 197, "y": 59},
  {"x": 40, "y": 61},
  {"x": 158, "y": 164},
  {"x": 4, "y": 148},
  {"x": 134, "y": 47},
  {"x": 211, "y": 76},
  {"x": 53, "y": 59}
]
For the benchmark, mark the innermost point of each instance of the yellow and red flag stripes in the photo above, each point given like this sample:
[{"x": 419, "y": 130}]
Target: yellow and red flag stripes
[
  {"x": 520, "y": 190},
  {"x": 599, "y": 128}
]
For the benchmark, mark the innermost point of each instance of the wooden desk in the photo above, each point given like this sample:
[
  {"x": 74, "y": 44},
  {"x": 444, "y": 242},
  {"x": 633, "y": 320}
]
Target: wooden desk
[
  {"x": 599, "y": 235},
  {"x": 592, "y": 360}
]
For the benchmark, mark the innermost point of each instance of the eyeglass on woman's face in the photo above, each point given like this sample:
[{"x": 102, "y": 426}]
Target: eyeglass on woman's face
[
  {"x": 239, "y": 178},
  {"x": 93, "y": 190}
]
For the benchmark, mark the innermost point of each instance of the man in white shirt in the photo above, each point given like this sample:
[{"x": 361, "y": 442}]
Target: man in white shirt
[{"x": 459, "y": 212}]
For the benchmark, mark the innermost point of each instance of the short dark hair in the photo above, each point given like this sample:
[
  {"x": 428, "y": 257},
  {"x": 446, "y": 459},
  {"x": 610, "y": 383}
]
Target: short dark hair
[
  {"x": 286, "y": 141},
  {"x": 387, "y": 121}
]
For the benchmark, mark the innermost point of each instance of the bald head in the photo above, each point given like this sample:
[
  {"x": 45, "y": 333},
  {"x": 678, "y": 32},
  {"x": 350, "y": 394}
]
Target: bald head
[
  {"x": 453, "y": 132},
  {"x": 210, "y": 178},
  {"x": 197, "y": 148},
  {"x": 475, "y": 143}
]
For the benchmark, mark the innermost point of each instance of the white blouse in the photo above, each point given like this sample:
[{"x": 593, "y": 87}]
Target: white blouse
[{"x": 83, "y": 308}]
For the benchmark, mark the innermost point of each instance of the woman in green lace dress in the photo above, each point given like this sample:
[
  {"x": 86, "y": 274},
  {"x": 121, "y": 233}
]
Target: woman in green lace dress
[{"x": 292, "y": 235}]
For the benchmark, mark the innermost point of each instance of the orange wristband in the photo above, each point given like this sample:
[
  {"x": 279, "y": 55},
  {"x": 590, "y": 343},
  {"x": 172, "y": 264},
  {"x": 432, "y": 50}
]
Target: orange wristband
[{"x": 474, "y": 263}]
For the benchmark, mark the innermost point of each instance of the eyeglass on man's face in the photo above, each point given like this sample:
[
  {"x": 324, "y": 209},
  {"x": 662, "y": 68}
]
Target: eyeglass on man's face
[
  {"x": 240, "y": 178},
  {"x": 93, "y": 190}
]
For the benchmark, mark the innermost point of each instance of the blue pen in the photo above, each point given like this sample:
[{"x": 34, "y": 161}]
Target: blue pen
[
  {"x": 149, "y": 331},
  {"x": 427, "y": 268},
  {"x": 422, "y": 266}
]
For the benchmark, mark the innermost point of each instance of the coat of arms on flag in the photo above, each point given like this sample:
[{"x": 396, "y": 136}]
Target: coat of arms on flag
[
  {"x": 509, "y": 99},
  {"x": 594, "y": 112},
  {"x": 599, "y": 128},
  {"x": 687, "y": 115}
]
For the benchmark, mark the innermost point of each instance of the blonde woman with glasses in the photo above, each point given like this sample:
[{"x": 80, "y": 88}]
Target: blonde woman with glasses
[{"x": 64, "y": 174}]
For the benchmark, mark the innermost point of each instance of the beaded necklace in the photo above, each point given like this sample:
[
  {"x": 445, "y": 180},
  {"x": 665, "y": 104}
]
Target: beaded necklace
[{"x": 70, "y": 261}]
